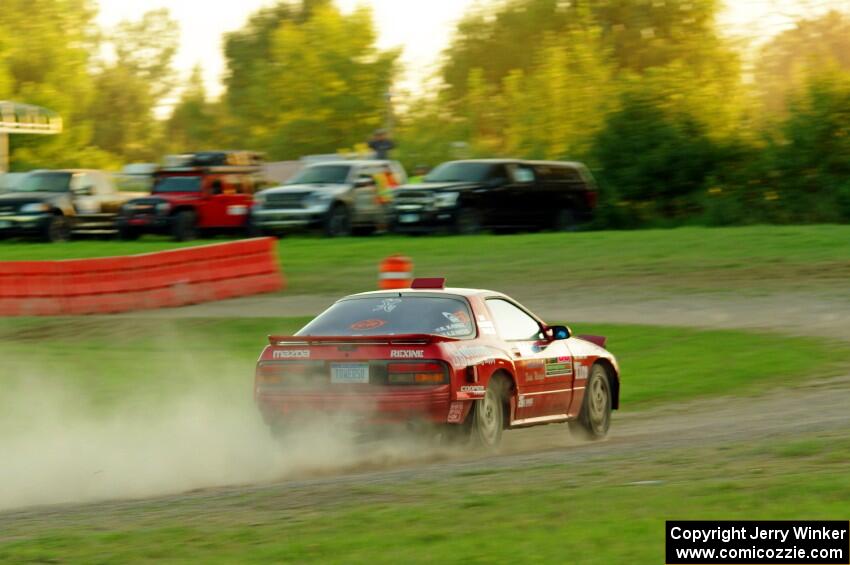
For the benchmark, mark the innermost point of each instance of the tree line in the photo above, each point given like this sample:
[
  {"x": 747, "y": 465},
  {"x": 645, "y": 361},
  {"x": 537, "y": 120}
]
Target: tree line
[{"x": 679, "y": 122}]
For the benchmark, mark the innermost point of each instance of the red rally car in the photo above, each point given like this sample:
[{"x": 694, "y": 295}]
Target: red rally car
[{"x": 472, "y": 362}]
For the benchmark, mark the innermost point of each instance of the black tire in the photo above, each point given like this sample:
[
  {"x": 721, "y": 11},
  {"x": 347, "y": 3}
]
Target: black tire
[
  {"x": 127, "y": 233},
  {"x": 364, "y": 231},
  {"x": 594, "y": 420},
  {"x": 338, "y": 221},
  {"x": 56, "y": 230},
  {"x": 183, "y": 226},
  {"x": 488, "y": 415},
  {"x": 565, "y": 220},
  {"x": 467, "y": 221},
  {"x": 252, "y": 229}
]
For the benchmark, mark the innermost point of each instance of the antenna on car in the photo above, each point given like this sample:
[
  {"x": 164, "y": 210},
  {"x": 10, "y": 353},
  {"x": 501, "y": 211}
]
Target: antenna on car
[{"x": 432, "y": 283}]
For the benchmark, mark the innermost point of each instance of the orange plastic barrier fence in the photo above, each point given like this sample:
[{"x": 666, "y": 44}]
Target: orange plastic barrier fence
[
  {"x": 396, "y": 271},
  {"x": 140, "y": 282}
]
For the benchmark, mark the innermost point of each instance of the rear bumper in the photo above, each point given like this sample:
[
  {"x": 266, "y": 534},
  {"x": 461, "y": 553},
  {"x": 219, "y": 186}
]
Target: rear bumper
[{"x": 386, "y": 405}]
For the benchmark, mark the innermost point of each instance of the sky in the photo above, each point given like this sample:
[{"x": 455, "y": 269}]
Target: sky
[{"x": 421, "y": 27}]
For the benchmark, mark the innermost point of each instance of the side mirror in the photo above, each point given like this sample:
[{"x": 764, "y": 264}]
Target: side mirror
[
  {"x": 363, "y": 182},
  {"x": 83, "y": 190},
  {"x": 558, "y": 333}
]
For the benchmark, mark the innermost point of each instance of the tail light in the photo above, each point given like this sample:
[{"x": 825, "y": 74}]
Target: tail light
[
  {"x": 273, "y": 373},
  {"x": 416, "y": 373},
  {"x": 592, "y": 198}
]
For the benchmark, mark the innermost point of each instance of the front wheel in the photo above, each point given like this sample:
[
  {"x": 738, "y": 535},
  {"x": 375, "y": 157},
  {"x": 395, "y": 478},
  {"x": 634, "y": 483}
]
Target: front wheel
[
  {"x": 126, "y": 233},
  {"x": 338, "y": 222},
  {"x": 183, "y": 227},
  {"x": 56, "y": 230},
  {"x": 467, "y": 221},
  {"x": 595, "y": 416}
]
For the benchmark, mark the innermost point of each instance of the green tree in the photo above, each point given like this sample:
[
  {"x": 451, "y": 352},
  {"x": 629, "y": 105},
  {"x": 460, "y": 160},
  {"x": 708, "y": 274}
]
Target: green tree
[
  {"x": 792, "y": 58},
  {"x": 128, "y": 89},
  {"x": 194, "y": 123},
  {"x": 317, "y": 83},
  {"x": 45, "y": 48},
  {"x": 651, "y": 159},
  {"x": 810, "y": 157}
]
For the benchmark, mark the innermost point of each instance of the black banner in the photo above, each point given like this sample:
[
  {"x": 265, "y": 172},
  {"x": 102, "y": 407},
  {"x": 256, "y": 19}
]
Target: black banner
[{"x": 763, "y": 543}]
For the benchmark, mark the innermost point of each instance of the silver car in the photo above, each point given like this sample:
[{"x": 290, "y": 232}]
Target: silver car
[{"x": 338, "y": 197}]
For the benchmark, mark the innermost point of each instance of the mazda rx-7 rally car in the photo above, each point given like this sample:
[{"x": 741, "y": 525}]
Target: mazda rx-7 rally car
[{"x": 470, "y": 362}]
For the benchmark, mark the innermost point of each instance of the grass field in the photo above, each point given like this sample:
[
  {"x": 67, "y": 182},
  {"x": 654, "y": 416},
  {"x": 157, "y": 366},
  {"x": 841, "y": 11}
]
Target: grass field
[
  {"x": 750, "y": 259},
  {"x": 598, "y": 512},
  {"x": 111, "y": 359}
]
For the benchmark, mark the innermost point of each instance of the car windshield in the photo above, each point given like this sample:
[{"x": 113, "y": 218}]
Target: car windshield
[
  {"x": 459, "y": 172},
  {"x": 44, "y": 182},
  {"x": 394, "y": 315},
  {"x": 322, "y": 174},
  {"x": 178, "y": 184}
]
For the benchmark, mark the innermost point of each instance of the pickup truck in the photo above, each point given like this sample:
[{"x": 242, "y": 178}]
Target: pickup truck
[
  {"x": 208, "y": 192},
  {"x": 53, "y": 204}
]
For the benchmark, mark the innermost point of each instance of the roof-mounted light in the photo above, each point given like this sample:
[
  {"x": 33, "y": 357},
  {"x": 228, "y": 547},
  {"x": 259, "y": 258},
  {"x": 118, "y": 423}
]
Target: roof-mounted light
[{"x": 432, "y": 283}]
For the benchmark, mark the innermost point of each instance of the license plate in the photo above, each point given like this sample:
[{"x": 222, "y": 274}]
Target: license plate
[
  {"x": 408, "y": 218},
  {"x": 350, "y": 373}
]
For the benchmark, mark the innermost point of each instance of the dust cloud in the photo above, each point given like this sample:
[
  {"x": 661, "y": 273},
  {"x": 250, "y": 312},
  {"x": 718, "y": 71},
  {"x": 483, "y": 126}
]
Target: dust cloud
[{"x": 56, "y": 446}]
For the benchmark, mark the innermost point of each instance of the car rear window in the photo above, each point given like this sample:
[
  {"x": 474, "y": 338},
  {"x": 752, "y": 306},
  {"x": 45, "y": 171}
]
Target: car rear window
[{"x": 394, "y": 315}]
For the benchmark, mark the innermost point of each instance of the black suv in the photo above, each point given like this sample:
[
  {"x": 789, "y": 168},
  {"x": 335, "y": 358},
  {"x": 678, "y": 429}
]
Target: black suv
[{"x": 501, "y": 194}]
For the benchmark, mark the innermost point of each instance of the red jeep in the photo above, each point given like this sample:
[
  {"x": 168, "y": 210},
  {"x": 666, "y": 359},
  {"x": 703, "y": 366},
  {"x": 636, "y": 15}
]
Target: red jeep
[
  {"x": 209, "y": 192},
  {"x": 469, "y": 363}
]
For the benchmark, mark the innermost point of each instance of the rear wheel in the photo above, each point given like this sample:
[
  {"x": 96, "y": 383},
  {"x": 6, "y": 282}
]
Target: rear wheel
[
  {"x": 57, "y": 230},
  {"x": 566, "y": 220},
  {"x": 488, "y": 415},
  {"x": 595, "y": 416},
  {"x": 183, "y": 227}
]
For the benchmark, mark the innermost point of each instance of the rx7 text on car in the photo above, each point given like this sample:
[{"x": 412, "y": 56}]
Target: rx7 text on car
[{"x": 469, "y": 363}]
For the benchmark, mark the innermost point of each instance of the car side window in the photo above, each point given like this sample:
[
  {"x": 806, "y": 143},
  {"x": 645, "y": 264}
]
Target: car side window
[
  {"x": 523, "y": 174},
  {"x": 512, "y": 322},
  {"x": 498, "y": 175}
]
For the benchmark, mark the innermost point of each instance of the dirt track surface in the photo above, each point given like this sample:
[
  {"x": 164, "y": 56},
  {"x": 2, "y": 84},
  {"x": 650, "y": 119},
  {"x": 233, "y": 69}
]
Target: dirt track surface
[
  {"x": 812, "y": 407},
  {"x": 796, "y": 313},
  {"x": 819, "y": 406}
]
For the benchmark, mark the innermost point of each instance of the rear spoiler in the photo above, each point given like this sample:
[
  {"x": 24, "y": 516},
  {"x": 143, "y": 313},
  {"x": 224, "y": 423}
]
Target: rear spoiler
[
  {"x": 401, "y": 339},
  {"x": 599, "y": 340}
]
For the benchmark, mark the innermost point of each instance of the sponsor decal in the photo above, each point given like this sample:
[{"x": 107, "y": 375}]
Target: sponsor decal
[
  {"x": 291, "y": 354},
  {"x": 557, "y": 368},
  {"x": 367, "y": 324},
  {"x": 458, "y": 324},
  {"x": 581, "y": 372},
  {"x": 387, "y": 305},
  {"x": 237, "y": 210},
  {"x": 407, "y": 353},
  {"x": 455, "y": 412},
  {"x": 566, "y": 359},
  {"x": 475, "y": 389},
  {"x": 525, "y": 401}
]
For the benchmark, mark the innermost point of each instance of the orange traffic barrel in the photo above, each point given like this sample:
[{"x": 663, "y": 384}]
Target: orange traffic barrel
[{"x": 396, "y": 271}]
